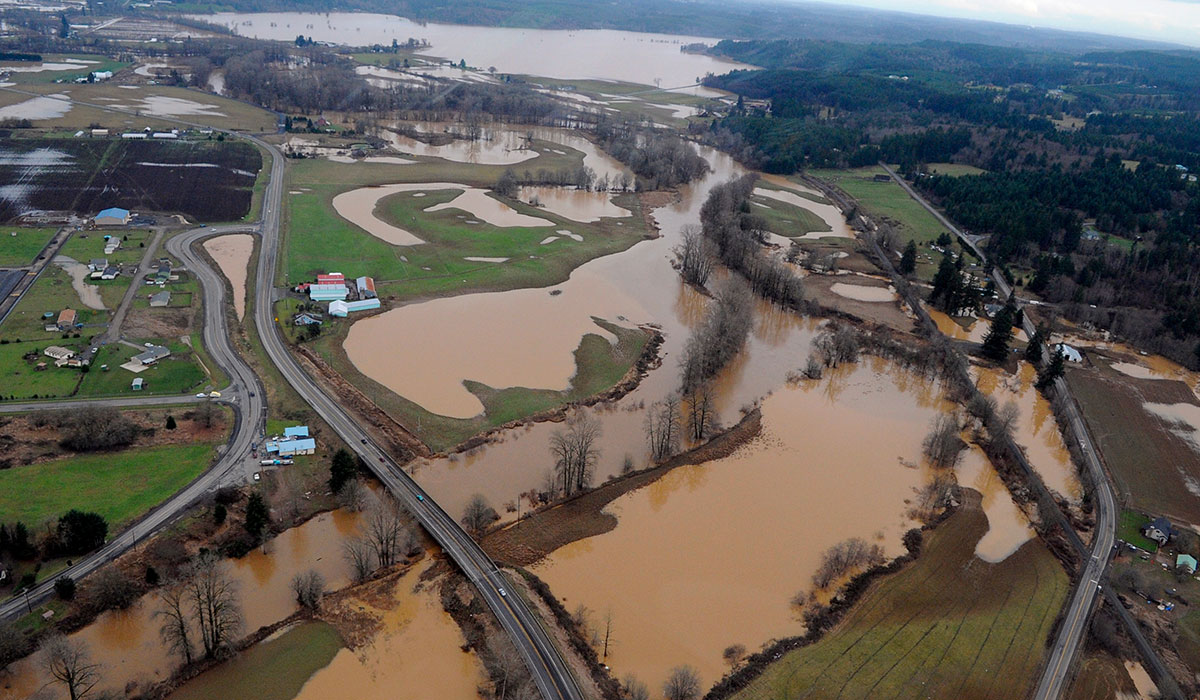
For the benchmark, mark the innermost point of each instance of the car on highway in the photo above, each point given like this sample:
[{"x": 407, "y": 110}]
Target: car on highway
[
  {"x": 420, "y": 498},
  {"x": 201, "y": 395},
  {"x": 214, "y": 394},
  {"x": 503, "y": 594}
]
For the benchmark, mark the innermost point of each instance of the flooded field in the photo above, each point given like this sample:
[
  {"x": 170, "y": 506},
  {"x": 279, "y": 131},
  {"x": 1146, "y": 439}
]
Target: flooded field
[
  {"x": 830, "y": 214},
  {"x": 593, "y": 53},
  {"x": 126, "y": 642},
  {"x": 417, "y": 642},
  {"x": 860, "y": 292},
  {"x": 49, "y": 107},
  {"x": 89, "y": 294},
  {"x": 577, "y": 205},
  {"x": 1008, "y": 526},
  {"x": 681, "y": 590},
  {"x": 232, "y": 255},
  {"x": 1036, "y": 431}
]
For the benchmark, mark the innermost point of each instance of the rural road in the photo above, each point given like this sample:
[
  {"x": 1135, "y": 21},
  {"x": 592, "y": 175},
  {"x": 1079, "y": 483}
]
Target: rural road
[
  {"x": 547, "y": 667},
  {"x": 1075, "y": 618}
]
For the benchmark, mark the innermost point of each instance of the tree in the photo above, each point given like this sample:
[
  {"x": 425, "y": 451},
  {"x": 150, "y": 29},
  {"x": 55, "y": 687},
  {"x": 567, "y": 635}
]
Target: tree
[
  {"x": 995, "y": 343},
  {"x": 682, "y": 684},
  {"x": 507, "y": 185},
  {"x": 110, "y": 588},
  {"x": 908, "y": 261},
  {"x": 68, "y": 662},
  {"x": 219, "y": 513},
  {"x": 342, "y": 469},
  {"x": 575, "y": 452},
  {"x": 206, "y": 414},
  {"x": 947, "y": 286},
  {"x": 662, "y": 427},
  {"x": 1033, "y": 350},
  {"x": 174, "y": 628},
  {"x": 386, "y": 534},
  {"x": 635, "y": 689},
  {"x": 358, "y": 554},
  {"x": 700, "y": 406},
  {"x": 696, "y": 256},
  {"x": 1003, "y": 422},
  {"x": 478, "y": 515},
  {"x": 734, "y": 654},
  {"x": 258, "y": 516},
  {"x": 170, "y": 422},
  {"x": 943, "y": 445},
  {"x": 12, "y": 644},
  {"x": 215, "y": 604},
  {"x": 64, "y": 586},
  {"x": 309, "y": 587},
  {"x": 1056, "y": 368},
  {"x": 79, "y": 533}
]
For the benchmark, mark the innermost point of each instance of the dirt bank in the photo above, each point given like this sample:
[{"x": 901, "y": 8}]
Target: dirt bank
[{"x": 526, "y": 542}]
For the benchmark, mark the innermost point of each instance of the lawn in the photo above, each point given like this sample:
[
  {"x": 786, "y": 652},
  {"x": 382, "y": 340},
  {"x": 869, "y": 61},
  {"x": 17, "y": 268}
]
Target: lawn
[
  {"x": 19, "y": 246},
  {"x": 1129, "y": 529},
  {"x": 120, "y": 486},
  {"x": 51, "y": 293},
  {"x": 271, "y": 670},
  {"x": 177, "y": 374},
  {"x": 19, "y": 378},
  {"x": 947, "y": 626}
]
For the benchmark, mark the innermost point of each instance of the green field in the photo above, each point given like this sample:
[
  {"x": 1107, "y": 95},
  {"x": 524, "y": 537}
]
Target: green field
[
  {"x": 19, "y": 378},
  {"x": 954, "y": 169},
  {"x": 273, "y": 670},
  {"x": 102, "y": 63},
  {"x": 177, "y": 374},
  {"x": 50, "y": 294},
  {"x": 1129, "y": 529},
  {"x": 786, "y": 219},
  {"x": 120, "y": 486},
  {"x": 19, "y": 246},
  {"x": 947, "y": 626}
]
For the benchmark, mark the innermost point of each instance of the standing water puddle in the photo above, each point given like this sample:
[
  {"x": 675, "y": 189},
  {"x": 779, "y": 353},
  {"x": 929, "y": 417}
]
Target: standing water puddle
[{"x": 232, "y": 254}]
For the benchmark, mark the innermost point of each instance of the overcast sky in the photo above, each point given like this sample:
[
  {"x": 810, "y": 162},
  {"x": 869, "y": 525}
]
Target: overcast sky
[{"x": 1162, "y": 20}]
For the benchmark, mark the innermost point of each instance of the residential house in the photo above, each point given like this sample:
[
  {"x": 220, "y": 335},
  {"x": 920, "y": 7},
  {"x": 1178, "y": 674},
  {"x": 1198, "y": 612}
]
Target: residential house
[
  {"x": 97, "y": 264},
  {"x": 1159, "y": 530},
  {"x": 111, "y": 245},
  {"x": 110, "y": 273},
  {"x": 113, "y": 216},
  {"x": 1186, "y": 562},
  {"x": 306, "y": 318},
  {"x": 66, "y": 319},
  {"x": 160, "y": 299},
  {"x": 152, "y": 354},
  {"x": 1070, "y": 354}
]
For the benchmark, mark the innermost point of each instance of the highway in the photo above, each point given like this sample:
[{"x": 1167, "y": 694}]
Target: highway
[{"x": 1074, "y": 625}]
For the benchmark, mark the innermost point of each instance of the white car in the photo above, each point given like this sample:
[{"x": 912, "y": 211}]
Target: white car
[
  {"x": 201, "y": 396},
  {"x": 503, "y": 594}
]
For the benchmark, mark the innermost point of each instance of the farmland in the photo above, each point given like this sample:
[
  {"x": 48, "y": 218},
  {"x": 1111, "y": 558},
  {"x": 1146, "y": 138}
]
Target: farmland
[
  {"x": 947, "y": 626},
  {"x": 85, "y": 63},
  {"x": 19, "y": 246},
  {"x": 204, "y": 180}
]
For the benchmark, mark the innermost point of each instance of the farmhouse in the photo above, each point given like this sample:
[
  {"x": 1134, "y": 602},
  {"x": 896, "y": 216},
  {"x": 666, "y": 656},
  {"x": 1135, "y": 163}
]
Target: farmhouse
[
  {"x": 160, "y": 299},
  {"x": 66, "y": 319},
  {"x": 152, "y": 354},
  {"x": 58, "y": 352},
  {"x": 307, "y": 319},
  {"x": 1159, "y": 530},
  {"x": 328, "y": 292},
  {"x": 113, "y": 216},
  {"x": 366, "y": 287},
  {"x": 342, "y": 308},
  {"x": 1186, "y": 562}
]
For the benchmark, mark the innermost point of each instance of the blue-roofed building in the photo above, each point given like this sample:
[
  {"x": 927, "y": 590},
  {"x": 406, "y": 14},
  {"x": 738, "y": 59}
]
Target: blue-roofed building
[
  {"x": 328, "y": 292},
  {"x": 299, "y": 446},
  {"x": 113, "y": 216},
  {"x": 341, "y": 308},
  {"x": 296, "y": 431}
]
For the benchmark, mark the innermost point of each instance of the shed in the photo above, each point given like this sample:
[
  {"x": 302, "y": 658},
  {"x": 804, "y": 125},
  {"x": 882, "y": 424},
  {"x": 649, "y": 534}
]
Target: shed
[
  {"x": 1070, "y": 354},
  {"x": 366, "y": 287},
  {"x": 113, "y": 216},
  {"x": 1186, "y": 561},
  {"x": 331, "y": 278},
  {"x": 66, "y": 319},
  {"x": 296, "y": 431},
  {"x": 160, "y": 299},
  {"x": 138, "y": 382}
]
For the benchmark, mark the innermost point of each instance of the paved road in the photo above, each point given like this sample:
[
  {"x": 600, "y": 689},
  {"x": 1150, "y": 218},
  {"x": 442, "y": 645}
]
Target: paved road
[
  {"x": 118, "y": 319},
  {"x": 546, "y": 665},
  {"x": 1071, "y": 631},
  {"x": 123, "y": 402}
]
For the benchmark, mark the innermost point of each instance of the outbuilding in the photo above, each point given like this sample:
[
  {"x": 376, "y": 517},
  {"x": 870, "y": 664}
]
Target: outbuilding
[
  {"x": 1070, "y": 354},
  {"x": 366, "y": 287},
  {"x": 138, "y": 383},
  {"x": 160, "y": 299},
  {"x": 342, "y": 308},
  {"x": 296, "y": 431},
  {"x": 1186, "y": 562},
  {"x": 66, "y": 319},
  {"x": 113, "y": 216},
  {"x": 300, "y": 446},
  {"x": 328, "y": 292}
]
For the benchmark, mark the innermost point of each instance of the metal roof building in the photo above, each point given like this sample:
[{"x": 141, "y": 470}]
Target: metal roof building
[
  {"x": 113, "y": 216},
  {"x": 328, "y": 292},
  {"x": 342, "y": 308},
  {"x": 296, "y": 431}
]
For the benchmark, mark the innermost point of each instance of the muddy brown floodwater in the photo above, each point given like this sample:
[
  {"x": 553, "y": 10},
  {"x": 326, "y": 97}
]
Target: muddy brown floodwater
[
  {"x": 232, "y": 255},
  {"x": 860, "y": 292},
  {"x": 577, "y": 205},
  {"x": 89, "y": 294},
  {"x": 1037, "y": 430},
  {"x": 126, "y": 642},
  {"x": 417, "y": 652}
]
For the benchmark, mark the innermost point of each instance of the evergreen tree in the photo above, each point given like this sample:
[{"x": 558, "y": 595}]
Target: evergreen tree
[
  {"x": 257, "y": 515},
  {"x": 170, "y": 422},
  {"x": 342, "y": 469},
  {"x": 995, "y": 343},
  {"x": 1055, "y": 370},
  {"x": 947, "y": 285},
  {"x": 908, "y": 261},
  {"x": 1033, "y": 351}
]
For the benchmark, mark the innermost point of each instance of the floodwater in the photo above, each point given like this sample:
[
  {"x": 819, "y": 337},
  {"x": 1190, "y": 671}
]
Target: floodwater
[
  {"x": 577, "y": 205},
  {"x": 829, "y": 213},
  {"x": 48, "y": 107},
  {"x": 648, "y": 59},
  {"x": 232, "y": 254},
  {"x": 1184, "y": 420},
  {"x": 166, "y": 106},
  {"x": 1037, "y": 430},
  {"x": 1145, "y": 686},
  {"x": 860, "y": 292},
  {"x": 1008, "y": 526},
  {"x": 711, "y": 555},
  {"x": 358, "y": 207},
  {"x": 417, "y": 652},
  {"x": 126, "y": 642},
  {"x": 67, "y": 64},
  {"x": 482, "y": 151},
  {"x": 975, "y": 332},
  {"x": 89, "y": 294}
]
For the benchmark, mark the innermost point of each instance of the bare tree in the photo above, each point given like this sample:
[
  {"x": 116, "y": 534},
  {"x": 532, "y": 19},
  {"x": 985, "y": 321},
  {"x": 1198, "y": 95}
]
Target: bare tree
[
  {"x": 682, "y": 684},
  {"x": 206, "y": 414},
  {"x": 353, "y": 495},
  {"x": 942, "y": 446},
  {"x": 385, "y": 532},
  {"x": 1004, "y": 422},
  {"x": 478, "y": 515},
  {"x": 733, "y": 654},
  {"x": 175, "y": 629},
  {"x": 813, "y": 368},
  {"x": 68, "y": 662},
  {"x": 635, "y": 689},
  {"x": 608, "y": 624},
  {"x": 700, "y": 406},
  {"x": 110, "y": 588},
  {"x": 844, "y": 558},
  {"x": 696, "y": 256},
  {"x": 309, "y": 587},
  {"x": 720, "y": 336},
  {"x": 509, "y": 664},
  {"x": 215, "y": 604},
  {"x": 837, "y": 344},
  {"x": 12, "y": 644},
  {"x": 662, "y": 428},
  {"x": 575, "y": 452},
  {"x": 358, "y": 554}
]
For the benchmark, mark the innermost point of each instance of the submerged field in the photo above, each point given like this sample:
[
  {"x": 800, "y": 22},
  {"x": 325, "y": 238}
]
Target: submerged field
[
  {"x": 205, "y": 180},
  {"x": 947, "y": 626}
]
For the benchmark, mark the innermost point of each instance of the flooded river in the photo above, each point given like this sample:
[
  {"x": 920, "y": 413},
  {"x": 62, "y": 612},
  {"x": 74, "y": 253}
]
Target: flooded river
[
  {"x": 554, "y": 53},
  {"x": 232, "y": 255}
]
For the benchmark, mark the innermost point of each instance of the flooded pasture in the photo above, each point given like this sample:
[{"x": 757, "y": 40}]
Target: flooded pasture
[
  {"x": 574, "y": 204},
  {"x": 232, "y": 255},
  {"x": 49, "y": 107},
  {"x": 860, "y": 292}
]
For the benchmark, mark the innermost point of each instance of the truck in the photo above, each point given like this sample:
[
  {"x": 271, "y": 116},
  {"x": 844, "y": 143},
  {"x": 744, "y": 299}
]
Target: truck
[{"x": 276, "y": 462}]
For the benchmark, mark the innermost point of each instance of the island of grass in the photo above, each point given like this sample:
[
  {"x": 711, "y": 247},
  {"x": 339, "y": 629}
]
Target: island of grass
[{"x": 949, "y": 625}]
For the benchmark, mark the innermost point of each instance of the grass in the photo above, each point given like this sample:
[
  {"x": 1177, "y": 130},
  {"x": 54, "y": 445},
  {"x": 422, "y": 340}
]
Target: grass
[
  {"x": 102, "y": 63},
  {"x": 19, "y": 246},
  {"x": 1101, "y": 676},
  {"x": 120, "y": 486},
  {"x": 225, "y": 113},
  {"x": 954, "y": 169},
  {"x": 1129, "y": 529},
  {"x": 787, "y": 219},
  {"x": 271, "y": 670},
  {"x": 20, "y": 380},
  {"x": 947, "y": 626},
  {"x": 52, "y": 292},
  {"x": 178, "y": 374}
]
